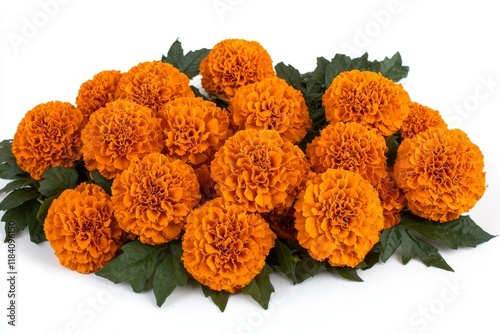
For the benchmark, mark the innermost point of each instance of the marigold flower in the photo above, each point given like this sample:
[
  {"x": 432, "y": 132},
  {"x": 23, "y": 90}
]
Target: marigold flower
[
  {"x": 224, "y": 246},
  {"x": 441, "y": 173},
  {"x": 153, "y": 196},
  {"x": 96, "y": 92},
  {"x": 421, "y": 118},
  {"x": 118, "y": 133},
  {"x": 338, "y": 217},
  {"x": 271, "y": 104},
  {"x": 349, "y": 146},
  {"x": 48, "y": 136},
  {"x": 193, "y": 129},
  {"x": 81, "y": 228},
  {"x": 392, "y": 199},
  {"x": 233, "y": 63},
  {"x": 256, "y": 169},
  {"x": 368, "y": 98},
  {"x": 152, "y": 84}
]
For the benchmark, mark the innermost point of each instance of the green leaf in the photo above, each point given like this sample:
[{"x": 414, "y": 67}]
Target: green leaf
[
  {"x": 219, "y": 298},
  {"x": 347, "y": 273},
  {"x": 17, "y": 184},
  {"x": 35, "y": 227},
  {"x": 174, "y": 54},
  {"x": 462, "y": 231},
  {"x": 8, "y": 166},
  {"x": 308, "y": 267},
  {"x": 170, "y": 272},
  {"x": 135, "y": 265},
  {"x": 290, "y": 74},
  {"x": 101, "y": 181},
  {"x": 391, "y": 68},
  {"x": 20, "y": 215},
  {"x": 190, "y": 65},
  {"x": 260, "y": 288},
  {"x": 390, "y": 240},
  {"x": 57, "y": 179},
  {"x": 44, "y": 209},
  {"x": 286, "y": 260},
  {"x": 415, "y": 247},
  {"x": 319, "y": 71},
  {"x": 18, "y": 197}
]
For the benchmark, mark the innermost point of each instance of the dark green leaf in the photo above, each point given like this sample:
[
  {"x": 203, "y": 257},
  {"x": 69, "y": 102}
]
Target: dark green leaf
[
  {"x": 11, "y": 172},
  {"x": 391, "y": 68},
  {"x": 101, "y": 181},
  {"x": 339, "y": 63},
  {"x": 135, "y": 265},
  {"x": 170, "y": 273},
  {"x": 20, "y": 215},
  {"x": 44, "y": 209},
  {"x": 190, "y": 64},
  {"x": 415, "y": 247},
  {"x": 308, "y": 267},
  {"x": 35, "y": 227},
  {"x": 347, "y": 273},
  {"x": 197, "y": 92},
  {"x": 286, "y": 260},
  {"x": 6, "y": 155},
  {"x": 319, "y": 71},
  {"x": 174, "y": 55},
  {"x": 57, "y": 179},
  {"x": 260, "y": 288},
  {"x": 17, "y": 184},
  {"x": 18, "y": 197},
  {"x": 219, "y": 298},
  {"x": 390, "y": 240},
  {"x": 462, "y": 231},
  {"x": 290, "y": 74}
]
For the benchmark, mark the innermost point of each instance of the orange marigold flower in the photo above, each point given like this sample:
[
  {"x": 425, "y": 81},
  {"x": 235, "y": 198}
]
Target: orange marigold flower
[
  {"x": 338, "y": 217},
  {"x": 420, "y": 119},
  {"x": 368, "y": 98},
  {"x": 349, "y": 146},
  {"x": 282, "y": 222},
  {"x": 152, "y": 84},
  {"x": 441, "y": 173},
  {"x": 271, "y": 104},
  {"x": 224, "y": 246},
  {"x": 233, "y": 63},
  {"x": 193, "y": 129},
  {"x": 96, "y": 92},
  {"x": 118, "y": 133},
  {"x": 256, "y": 169},
  {"x": 153, "y": 196},
  {"x": 392, "y": 199},
  {"x": 81, "y": 228},
  {"x": 48, "y": 136}
]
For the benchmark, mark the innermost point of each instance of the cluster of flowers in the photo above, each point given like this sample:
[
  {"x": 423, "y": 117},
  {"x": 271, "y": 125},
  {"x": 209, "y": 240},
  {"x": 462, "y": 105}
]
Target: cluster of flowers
[{"x": 229, "y": 181}]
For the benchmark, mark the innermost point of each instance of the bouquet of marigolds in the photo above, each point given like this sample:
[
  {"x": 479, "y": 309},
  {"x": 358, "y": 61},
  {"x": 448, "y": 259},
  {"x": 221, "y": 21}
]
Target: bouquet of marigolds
[{"x": 150, "y": 180}]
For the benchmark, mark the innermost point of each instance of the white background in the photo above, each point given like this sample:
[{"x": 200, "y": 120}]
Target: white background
[{"x": 452, "y": 50}]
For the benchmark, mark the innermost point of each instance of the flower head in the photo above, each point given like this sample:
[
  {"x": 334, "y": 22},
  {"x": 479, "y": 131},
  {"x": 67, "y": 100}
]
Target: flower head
[
  {"x": 224, "y": 246},
  {"x": 193, "y": 129},
  {"x": 233, "y": 63},
  {"x": 349, "y": 146},
  {"x": 419, "y": 119},
  {"x": 48, "y": 136},
  {"x": 207, "y": 184},
  {"x": 338, "y": 217},
  {"x": 441, "y": 173},
  {"x": 256, "y": 169},
  {"x": 271, "y": 104},
  {"x": 153, "y": 196},
  {"x": 152, "y": 84},
  {"x": 118, "y": 133},
  {"x": 392, "y": 199},
  {"x": 368, "y": 98},
  {"x": 96, "y": 92},
  {"x": 81, "y": 228}
]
